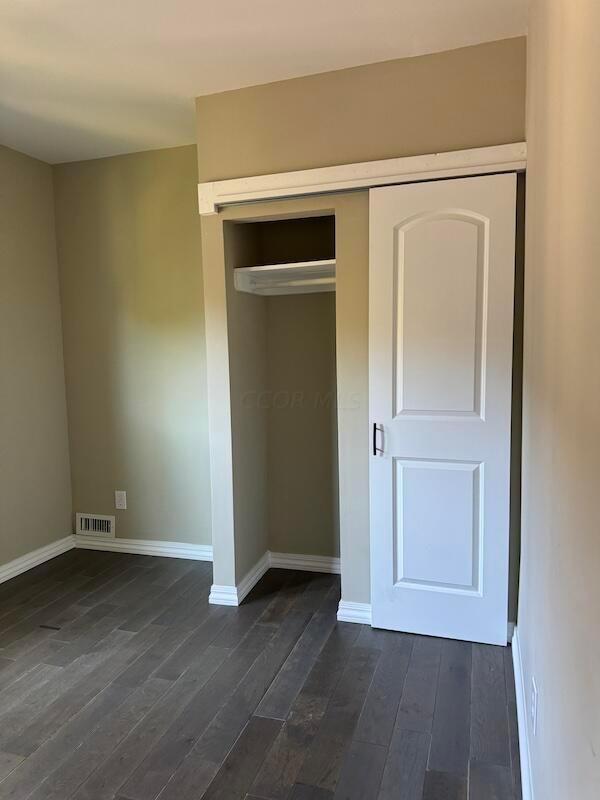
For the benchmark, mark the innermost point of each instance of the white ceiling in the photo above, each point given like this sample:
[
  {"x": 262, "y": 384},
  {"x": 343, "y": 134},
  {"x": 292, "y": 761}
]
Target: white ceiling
[{"x": 82, "y": 79}]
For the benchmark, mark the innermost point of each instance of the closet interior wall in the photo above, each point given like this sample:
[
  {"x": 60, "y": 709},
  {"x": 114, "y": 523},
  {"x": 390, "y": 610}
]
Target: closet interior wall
[{"x": 283, "y": 397}]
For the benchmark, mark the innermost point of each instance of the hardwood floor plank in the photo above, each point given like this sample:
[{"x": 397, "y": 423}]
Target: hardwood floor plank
[
  {"x": 84, "y": 644},
  {"x": 153, "y": 658},
  {"x": 167, "y": 575},
  {"x": 41, "y": 610},
  {"x": 27, "y": 588},
  {"x": 16, "y": 718},
  {"x": 161, "y": 763},
  {"x": 361, "y": 773},
  {"x": 27, "y": 583},
  {"x": 60, "y": 608},
  {"x": 283, "y": 762},
  {"x": 293, "y": 586},
  {"x": 325, "y": 755},
  {"x": 17, "y": 692},
  {"x": 490, "y": 782},
  {"x": 378, "y": 716},
  {"x": 220, "y": 735},
  {"x": 317, "y": 590},
  {"x": 376, "y": 638},
  {"x": 113, "y": 773},
  {"x": 404, "y": 773},
  {"x": 189, "y": 592},
  {"x": 489, "y": 719},
  {"x": 157, "y": 610},
  {"x": 82, "y": 623},
  {"x": 239, "y": 768},
  {"x": 444, "y": 786},
  {"x": 193, "y": 645},
  {"x": 100, "y": 589},
  {"x": 450, "y": 742},
  {"x": 33, "y": 770},
  {"x": 36, "y": 656},
  {"x": 279, "y": 697},
  {"x": 420, "y": 687},
  {"x": 8, "y": 763},
  {"x": 123, "y": 647},
  {"x": 303, "y": 792},
  {"x": 100, "y": 742},
  {"x": 240, "y": 621}
]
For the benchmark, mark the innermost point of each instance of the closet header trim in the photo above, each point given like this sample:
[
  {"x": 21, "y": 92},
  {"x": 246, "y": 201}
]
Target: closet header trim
[{"x": 347, "y": 177}]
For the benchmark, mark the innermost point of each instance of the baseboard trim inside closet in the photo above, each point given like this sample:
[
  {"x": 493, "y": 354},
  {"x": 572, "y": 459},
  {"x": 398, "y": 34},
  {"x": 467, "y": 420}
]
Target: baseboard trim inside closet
[{"x": 229, "y": 595}]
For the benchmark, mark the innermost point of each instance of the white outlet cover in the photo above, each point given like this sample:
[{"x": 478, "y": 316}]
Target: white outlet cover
[{"x": 120, "y": 500}]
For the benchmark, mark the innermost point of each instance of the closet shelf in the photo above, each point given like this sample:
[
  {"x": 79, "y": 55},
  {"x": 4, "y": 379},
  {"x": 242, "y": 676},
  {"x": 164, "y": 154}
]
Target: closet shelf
[{"x": 303, "y": 277}]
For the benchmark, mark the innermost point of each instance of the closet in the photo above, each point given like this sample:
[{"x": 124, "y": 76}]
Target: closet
[
  {"x": 370, "y": 329},
  {"x": 280, "y": 303}
]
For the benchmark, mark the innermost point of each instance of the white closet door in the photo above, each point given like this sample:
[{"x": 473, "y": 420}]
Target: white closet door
[{"x": 441, "y": 331}]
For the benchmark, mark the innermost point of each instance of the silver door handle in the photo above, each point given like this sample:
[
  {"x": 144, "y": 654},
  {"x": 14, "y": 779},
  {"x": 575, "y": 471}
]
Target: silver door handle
[{"x": 377, "y": 429}]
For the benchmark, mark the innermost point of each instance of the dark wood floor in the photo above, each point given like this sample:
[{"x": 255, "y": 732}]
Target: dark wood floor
[{"x": 118, "y": 680}]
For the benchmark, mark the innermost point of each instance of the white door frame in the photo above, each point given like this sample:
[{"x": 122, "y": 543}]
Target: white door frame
[{"x": 362, "y": 175}]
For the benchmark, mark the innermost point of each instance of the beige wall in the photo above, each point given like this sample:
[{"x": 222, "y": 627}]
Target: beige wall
[
  {"x": 248, "y": 374},
  {"x": 133, "y": 318},
  {"x": 35, "y": 493},
  {"x": 302, "y": 436},
  {"x": 560, "y": 588},
  {"x": 471, "y": 97}
]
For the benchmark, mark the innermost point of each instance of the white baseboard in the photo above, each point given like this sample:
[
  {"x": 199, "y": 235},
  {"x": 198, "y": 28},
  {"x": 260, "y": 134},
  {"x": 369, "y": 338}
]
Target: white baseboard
[
  {"x": 354, "y": 612},
  {"x": 219, "y": 595},
  {"x": 146, "y": 547},
  {"x": 252, "y": 577},
  {"x": 233, "y": 595},
  {"x": 229, "y": 595},
  {"x": 35, "y": 557},
  {"x": 522, "y": 718},
  {"x": 304, "y": 562},
  {"x": 200, "y": 552},
  {"x": 223, "y": 595}
]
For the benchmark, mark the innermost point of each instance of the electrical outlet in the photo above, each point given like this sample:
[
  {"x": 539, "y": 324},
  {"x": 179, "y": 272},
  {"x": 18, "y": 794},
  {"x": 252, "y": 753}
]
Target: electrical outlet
[
  {"x": 121, "y": 500},
  {"x": 533, "y": 706}
]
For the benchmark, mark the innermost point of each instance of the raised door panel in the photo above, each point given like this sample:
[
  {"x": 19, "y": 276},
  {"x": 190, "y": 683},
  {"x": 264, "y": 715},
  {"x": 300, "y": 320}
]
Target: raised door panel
[
  {"x": 440, "y": 272},
  {"x": 438, "y": 525}
]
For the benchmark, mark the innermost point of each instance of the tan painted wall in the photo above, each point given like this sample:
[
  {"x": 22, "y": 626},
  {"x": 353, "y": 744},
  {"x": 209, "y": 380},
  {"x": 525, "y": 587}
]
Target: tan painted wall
[
  {"x": 35, "y": 492},
  {"x": 471, "y": 97},
  {"x": 560, "y": 589},
  {"x": 131, "y": 281},
  {"x": 248, "y": 373},
  {"x": 302, "y": 437}
]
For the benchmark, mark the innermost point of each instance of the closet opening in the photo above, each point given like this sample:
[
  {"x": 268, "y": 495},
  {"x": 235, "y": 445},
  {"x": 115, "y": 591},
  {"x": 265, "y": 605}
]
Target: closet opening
[{"x": 281, "y": 320}]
